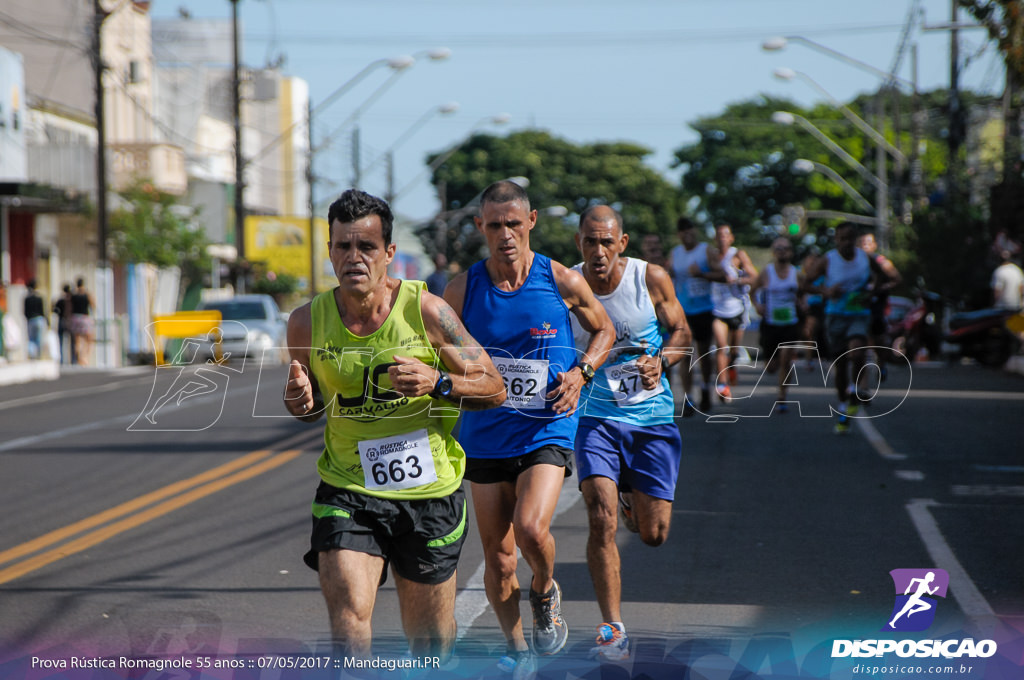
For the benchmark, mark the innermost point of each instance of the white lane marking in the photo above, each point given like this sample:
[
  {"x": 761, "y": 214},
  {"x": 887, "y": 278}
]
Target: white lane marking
[
  {"x": 877, "y": 441},
  {"x": 471, "y": 602},
  {"x": 64, "y": 432},
  {"x": 118, "y": 420},
  {"x": 50, "y": 396},
  {"x": 988, "y": 490},
  {"x": 971, "y": 395},
  {"x": 910, "y": 475},
  {"x": 967, "y": 595}
]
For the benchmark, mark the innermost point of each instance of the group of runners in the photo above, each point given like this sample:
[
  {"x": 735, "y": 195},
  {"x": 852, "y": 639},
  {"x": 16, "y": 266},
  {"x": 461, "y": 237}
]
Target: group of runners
[
  {"x": 542, "y": 366},
  {"x": 834, "y": 305}
]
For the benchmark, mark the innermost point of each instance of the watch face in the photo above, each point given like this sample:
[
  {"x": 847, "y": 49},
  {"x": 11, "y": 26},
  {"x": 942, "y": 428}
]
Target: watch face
[{"x": 444, "y": 385}]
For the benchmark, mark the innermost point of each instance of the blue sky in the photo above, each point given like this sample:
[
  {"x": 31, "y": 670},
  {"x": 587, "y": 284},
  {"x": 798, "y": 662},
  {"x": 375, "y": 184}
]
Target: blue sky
[{"x": 585, "y": 70}]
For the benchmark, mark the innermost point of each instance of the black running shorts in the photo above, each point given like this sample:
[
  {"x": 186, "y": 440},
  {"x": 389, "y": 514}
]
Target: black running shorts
[
  {"x": 421, "y": 539},
  {"x": 494, "y": 470}
]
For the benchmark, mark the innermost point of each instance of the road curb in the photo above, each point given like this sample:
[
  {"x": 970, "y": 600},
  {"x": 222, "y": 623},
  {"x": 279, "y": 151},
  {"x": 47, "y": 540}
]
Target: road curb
[{"x": 28, "y": 371}]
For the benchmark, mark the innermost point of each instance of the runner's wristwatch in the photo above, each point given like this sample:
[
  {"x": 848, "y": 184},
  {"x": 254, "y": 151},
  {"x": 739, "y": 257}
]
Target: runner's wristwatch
[
  {"x": 443, "y": 388},
  {"x": 587, "y": 371}
]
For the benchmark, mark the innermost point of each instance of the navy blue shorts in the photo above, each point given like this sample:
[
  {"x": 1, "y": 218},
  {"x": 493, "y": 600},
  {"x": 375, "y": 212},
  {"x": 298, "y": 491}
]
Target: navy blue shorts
[{"x": 637, "y": 458}]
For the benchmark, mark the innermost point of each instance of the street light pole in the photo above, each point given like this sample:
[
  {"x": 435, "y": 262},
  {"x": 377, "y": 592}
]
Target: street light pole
[
  {"x": 236, "y": 86},
  {"x": 311, "y": 183},
  {"x": 394, "y": 63},
  {"x": 877, "y": 137},
  {"x": 388, "y": 156},
  {"x": 499, "y": 119},
  {"x": 917, "y": 117},
  {"x": 802, "y": 166},
  {"x": 882, "y": 188},
  {"x": 787, "y": 118},
  {"x": 104, "y": 276}
]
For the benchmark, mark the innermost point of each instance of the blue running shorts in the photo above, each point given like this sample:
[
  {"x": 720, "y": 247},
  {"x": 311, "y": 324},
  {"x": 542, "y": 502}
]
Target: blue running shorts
[{"x": 637, "y": 458}]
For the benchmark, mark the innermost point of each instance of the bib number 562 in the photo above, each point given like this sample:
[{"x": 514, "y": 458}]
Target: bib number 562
[
  {"x": 396, "y": 470},
  {"x": 520, "y": 387}
]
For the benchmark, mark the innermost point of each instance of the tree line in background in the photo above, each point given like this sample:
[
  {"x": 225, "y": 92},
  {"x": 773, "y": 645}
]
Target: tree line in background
[{"x": 740, "y": 171}]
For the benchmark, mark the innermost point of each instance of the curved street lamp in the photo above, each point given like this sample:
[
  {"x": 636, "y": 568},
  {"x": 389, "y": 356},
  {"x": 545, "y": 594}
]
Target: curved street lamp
[
  {"x": 803, "y": 166},
  {"x": 779, "y": 42},
  {"x": 917, "y": 117},
  {"x": 500, "y": 119},
  {"x": 399, "y": 65},
  {"x": 787, "y": 118},
  {"x": 877, "y": 137},
  {"x": 388, "y": 155},
  {"x": 881, "y": 208}
]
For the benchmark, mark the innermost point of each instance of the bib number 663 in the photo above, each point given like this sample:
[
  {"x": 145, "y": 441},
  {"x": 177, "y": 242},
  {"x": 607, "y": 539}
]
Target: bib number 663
[{"x": 396, "y": 470}]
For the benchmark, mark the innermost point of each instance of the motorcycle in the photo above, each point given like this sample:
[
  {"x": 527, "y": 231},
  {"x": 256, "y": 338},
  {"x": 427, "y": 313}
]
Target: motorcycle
[
  {"x": 915, "y": 324},
  {"x": 985, "y": 335}
]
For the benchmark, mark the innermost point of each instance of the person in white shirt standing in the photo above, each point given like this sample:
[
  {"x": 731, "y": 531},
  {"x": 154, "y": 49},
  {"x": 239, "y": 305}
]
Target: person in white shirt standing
[{"x": 1007, "y": 283}]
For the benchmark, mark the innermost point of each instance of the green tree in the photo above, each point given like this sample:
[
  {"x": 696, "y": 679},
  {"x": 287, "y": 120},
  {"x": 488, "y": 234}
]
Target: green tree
[
  {"x": 150, "y": 227},
  {"x": 740, "y": 170},
  {"x": 561, "y": 174},
  {"x": 1004, "y": 20}
]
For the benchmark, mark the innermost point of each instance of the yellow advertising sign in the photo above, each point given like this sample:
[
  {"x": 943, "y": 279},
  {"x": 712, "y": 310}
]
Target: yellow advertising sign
[{"x": 283, "y": 244}]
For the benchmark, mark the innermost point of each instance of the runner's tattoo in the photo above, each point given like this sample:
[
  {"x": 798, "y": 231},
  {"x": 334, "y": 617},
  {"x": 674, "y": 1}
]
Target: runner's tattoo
[{"x": 455, "y": 333}]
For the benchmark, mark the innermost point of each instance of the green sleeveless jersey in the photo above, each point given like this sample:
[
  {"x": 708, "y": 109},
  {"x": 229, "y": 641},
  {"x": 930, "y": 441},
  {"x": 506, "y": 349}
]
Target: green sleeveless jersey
[{"x": 378, "y": 442}]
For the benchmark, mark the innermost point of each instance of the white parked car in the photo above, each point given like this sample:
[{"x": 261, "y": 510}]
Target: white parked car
[{"x": 252, "y": 326}]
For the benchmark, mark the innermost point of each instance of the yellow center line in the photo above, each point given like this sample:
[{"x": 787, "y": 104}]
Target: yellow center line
[
  {"x": 128, "y": 507},
  {"x": 89, "y": 540}
]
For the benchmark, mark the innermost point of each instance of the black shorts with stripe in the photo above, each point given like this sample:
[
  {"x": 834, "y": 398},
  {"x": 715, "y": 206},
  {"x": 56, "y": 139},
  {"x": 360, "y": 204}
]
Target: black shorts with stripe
[{"x": 421, "y": 539}]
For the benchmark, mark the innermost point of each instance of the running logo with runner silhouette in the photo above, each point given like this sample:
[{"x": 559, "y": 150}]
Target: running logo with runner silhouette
[{"x": 914, "y": 609}]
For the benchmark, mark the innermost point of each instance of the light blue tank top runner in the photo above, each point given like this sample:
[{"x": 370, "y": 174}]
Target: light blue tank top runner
[{"x": 616, "y": 392}]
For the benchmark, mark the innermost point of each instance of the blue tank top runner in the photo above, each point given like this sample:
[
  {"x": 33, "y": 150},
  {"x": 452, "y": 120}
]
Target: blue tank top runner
[{"x": 529, "y": 336}]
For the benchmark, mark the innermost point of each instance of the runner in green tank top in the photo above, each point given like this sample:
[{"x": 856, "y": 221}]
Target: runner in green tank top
[{"x": 389, "y": 365}]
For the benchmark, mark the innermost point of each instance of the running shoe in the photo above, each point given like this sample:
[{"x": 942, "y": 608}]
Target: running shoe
[
  {"x": 626, "y": 509},
  {"x": 733, "y": 376},
  {"x": 549, "y": 628},
  {"x": 705, "y": 400},
  {"x": 612, "y": 643},
  {"x": 724, "y": 393},
  {"x": 842, "y": 424},
  {"x": 520, "y": 663}
]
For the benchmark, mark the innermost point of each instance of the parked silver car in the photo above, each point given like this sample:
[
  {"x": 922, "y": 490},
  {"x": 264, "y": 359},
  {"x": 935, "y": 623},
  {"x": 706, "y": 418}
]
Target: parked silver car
[{"x": 252, "y": 326}]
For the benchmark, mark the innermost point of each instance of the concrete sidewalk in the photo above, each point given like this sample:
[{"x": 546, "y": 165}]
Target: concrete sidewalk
[{"x": 28, "y": 371}]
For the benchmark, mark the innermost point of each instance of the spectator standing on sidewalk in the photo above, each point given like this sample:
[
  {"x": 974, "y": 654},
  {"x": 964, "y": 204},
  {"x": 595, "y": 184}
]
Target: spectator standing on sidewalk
[{"x": 35, "y": 317}]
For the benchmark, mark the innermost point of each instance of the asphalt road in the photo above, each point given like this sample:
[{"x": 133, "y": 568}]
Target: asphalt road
[{"x": 182, "y": 532}]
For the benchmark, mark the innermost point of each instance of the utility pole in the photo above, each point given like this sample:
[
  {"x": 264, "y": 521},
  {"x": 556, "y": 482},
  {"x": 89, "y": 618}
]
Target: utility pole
[
  {"x": 389, "y": 163},
  {"x": 882, "y": 172},
  {"x": 311, "y": 181},
  {"x": 104, "y": 276},
  {"x": 236, "y": 87},
  {"x": 356, "y": 171},
  {"x": 99, "y": 16},
  {"x": 956, "y": 114}
]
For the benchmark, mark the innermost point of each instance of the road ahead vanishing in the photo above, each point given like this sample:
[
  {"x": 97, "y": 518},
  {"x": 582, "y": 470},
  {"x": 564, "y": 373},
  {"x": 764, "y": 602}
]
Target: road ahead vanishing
[{"x": 162, "y": 514}]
